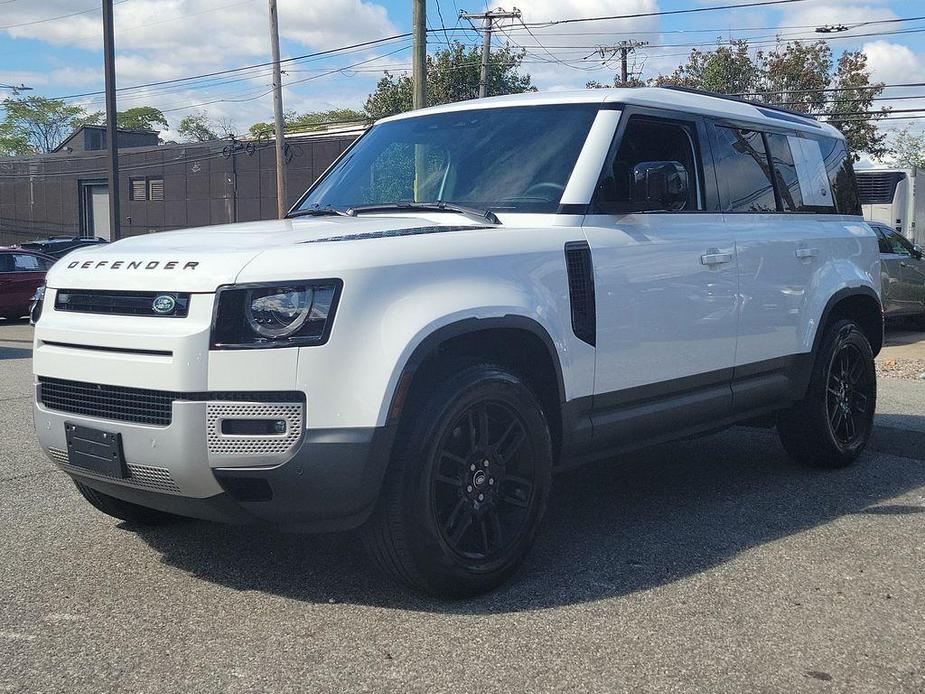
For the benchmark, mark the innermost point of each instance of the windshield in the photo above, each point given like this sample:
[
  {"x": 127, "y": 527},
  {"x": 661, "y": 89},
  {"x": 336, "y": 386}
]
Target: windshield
[{"x": 517, "y": 159}]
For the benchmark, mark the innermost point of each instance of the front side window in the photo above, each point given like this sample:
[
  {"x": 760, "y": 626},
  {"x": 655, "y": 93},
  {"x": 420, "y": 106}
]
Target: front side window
[
  {"x": 743, "y": 171},
  {"x": 899, "y": 244},
  {"x": 516, "y": 159},
  {"x": 652, "y": 154}
]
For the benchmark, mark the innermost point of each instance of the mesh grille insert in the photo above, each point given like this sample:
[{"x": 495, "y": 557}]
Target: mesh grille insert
[
  {"x": 581, "y": 290},
  {"x": 121, "y": 303}
]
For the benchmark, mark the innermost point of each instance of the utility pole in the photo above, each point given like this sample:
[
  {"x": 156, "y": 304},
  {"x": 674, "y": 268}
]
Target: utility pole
[
  {"x": 112, "y": 133},
  {"x": 488, "y": 23},
  {"x": 624, "y": 48},
  {"x": 281, "y": 207},
  {"x": 419, "y": 50}
]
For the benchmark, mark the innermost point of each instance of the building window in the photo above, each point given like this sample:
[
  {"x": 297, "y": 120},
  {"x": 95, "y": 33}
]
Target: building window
[
  {"x": 155, "y": 189},
  {"x": 146, "y": 188},
  {"x": 137, "y": 189}
]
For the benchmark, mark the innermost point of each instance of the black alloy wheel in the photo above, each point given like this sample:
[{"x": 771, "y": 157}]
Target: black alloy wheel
[
  {"x": 466, "y": 489},
  {"x": 482, "y": 481},
  {"x": 831, "y": 425}
]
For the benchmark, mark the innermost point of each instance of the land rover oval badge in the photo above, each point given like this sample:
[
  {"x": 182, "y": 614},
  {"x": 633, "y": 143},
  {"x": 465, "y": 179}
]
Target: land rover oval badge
[{"x": 164, "y": 304}]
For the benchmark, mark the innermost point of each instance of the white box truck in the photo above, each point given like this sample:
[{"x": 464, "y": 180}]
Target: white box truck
[{"x": 895, "y": 197}]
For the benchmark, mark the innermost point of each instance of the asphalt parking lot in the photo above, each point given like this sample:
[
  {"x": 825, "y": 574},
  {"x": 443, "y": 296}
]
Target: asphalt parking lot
[{"x": 712, "y": 565}]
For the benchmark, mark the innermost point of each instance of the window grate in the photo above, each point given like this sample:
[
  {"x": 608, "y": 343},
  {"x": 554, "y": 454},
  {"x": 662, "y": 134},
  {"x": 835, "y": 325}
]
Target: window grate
[
  {"x": 138, "y": 189},
  {"x": 155, "y": 189}
]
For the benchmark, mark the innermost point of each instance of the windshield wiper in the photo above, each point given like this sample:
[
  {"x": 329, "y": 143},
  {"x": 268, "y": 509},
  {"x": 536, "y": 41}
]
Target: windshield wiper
[
  {"x": 438, "y": 206},
  {"x": 317, "y": 212}
]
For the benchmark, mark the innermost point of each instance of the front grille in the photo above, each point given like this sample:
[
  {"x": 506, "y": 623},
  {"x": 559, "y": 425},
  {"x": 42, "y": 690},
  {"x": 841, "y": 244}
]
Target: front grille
[
  {"x": 123, "y": 303},
  {"x": 108, "y": 402},
  {"x": 138, "y": 405}
]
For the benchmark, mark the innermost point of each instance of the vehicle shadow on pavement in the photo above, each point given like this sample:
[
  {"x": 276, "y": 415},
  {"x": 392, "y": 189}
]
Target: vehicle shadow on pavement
[
  {"x": 15, "y": 353},
  {"x": 612, "y": 529}
]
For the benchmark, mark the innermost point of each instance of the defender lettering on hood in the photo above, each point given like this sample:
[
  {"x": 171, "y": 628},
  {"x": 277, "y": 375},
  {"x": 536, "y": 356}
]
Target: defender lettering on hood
[{"x": 133, "y": 264}]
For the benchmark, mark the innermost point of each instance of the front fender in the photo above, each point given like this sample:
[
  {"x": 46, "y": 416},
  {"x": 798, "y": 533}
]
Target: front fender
[{"x": 384, "y": 320}]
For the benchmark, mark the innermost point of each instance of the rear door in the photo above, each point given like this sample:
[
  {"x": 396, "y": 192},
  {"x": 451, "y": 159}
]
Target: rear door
[
  {"x": 778, "y": 252},
  {"x": 665, "y": 284},
  {"x": 27, "y": 273}
]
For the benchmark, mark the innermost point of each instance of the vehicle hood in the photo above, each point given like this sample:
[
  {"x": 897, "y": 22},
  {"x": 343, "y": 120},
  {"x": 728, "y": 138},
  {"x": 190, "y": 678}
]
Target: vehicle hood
[{"x": 203, "y": 258}]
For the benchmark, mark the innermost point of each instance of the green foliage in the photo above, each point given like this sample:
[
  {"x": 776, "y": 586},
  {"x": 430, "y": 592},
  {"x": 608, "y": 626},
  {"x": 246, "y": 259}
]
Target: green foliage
[
  {"x": 453, "y": 74},
  {"x": 798, "y": 75},
  {"x": 38, "y": 124},
  {"x": 141, "y": 118},
  {"x": 295, "y": 122},
  {"x": 907, "y": 149},
  {"x": 201, "y": 128}
]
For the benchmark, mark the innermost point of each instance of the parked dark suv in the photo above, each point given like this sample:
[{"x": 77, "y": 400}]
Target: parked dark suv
[{"x": 60, "y": 246}]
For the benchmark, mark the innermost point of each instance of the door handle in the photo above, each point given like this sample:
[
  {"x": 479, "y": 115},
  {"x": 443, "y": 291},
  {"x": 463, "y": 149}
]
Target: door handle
[
  {"x": 806, "y": 252},
  {"x": 715, "y": 258},
  {"x": 903, "y": 263}
]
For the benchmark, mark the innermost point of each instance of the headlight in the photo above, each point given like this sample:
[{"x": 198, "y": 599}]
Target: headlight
[
  {"x": 35, "y": 310},
  {"x": 285, "y": 314}
]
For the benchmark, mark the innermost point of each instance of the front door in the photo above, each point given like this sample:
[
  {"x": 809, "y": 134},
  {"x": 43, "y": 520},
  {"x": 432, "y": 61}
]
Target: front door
[
  {"x": 665, "y": 283},
  {"x": 910, "y": 269}
]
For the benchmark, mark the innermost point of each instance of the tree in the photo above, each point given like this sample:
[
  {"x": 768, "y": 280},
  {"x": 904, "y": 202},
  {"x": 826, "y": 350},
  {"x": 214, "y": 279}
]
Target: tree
[
  {"x": 729, "y": 70},
  {"x": 907, "y": 149},
  {"x": 201, "y": 128},
  {"x": 294, "y": 122},
  {"x": 453, "y": 74},
  {"x": 141, "y": 118},
  {"x": 38, "y": 124},
  {"x": 12, "y": 144},
  {"x": 800, "y": 76}
]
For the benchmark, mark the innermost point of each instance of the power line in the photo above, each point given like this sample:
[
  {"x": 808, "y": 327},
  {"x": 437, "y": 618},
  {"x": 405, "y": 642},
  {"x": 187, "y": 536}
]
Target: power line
[
  {"x": 60, "y": 16},
  {"x": 664, "y": 13}
]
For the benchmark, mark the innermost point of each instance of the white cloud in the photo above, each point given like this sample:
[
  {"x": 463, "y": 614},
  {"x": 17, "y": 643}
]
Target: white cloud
[{"x": 893, "y": 63}]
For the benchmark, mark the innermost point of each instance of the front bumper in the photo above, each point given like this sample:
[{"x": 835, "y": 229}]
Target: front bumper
[{"x": 325, "y": 479}]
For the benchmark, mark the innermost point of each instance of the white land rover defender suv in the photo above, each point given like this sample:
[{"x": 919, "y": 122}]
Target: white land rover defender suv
[{"x": 472, "y": 298}]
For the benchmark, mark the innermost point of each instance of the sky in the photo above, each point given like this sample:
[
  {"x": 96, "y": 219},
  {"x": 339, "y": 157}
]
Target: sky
[{"x": 55, "y": 46}]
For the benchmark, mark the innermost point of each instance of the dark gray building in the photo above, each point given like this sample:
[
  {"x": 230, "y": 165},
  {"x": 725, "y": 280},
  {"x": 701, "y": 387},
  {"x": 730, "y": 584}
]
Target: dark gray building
[
  {"x": 162, "y": 186},
  {"x": 89, "y": 138}
]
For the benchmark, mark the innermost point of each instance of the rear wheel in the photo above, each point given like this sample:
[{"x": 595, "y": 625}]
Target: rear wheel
[
  {"x": 124, "y": 510},
  {"x": 832, "y": 424},
  {"x": 467, "y": 488}
]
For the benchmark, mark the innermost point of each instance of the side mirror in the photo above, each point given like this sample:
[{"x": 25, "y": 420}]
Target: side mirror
[
  {"x": 917, "y": 251},
  {"x": 660, "y": 185}
]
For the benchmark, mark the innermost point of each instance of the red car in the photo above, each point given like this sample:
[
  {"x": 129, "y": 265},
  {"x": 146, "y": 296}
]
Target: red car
[{"x": 21, "y": 273}]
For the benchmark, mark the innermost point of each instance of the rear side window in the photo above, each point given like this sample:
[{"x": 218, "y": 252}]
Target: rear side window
[
  {"x": 840, "y": 170},
  {"x": 743, "y": 171},
  {"x": 882, "y": 240},
  {"x": 785, "y": 172}
]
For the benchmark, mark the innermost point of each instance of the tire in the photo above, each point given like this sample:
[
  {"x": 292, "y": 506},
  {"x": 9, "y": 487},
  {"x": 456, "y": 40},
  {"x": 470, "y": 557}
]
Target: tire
[
  {"x": 124, "y": 510},
  {"x": 832, "y": 424},
  {"x": 467, "y": 486}
]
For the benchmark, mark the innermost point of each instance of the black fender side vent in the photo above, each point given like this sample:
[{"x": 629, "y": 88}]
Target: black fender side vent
[{"x": 581, "y": 290}]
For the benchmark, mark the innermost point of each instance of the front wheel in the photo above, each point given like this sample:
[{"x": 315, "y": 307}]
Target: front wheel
[
  {"x": 466, "y": 490},
  {"x": 832, "y": 424}
]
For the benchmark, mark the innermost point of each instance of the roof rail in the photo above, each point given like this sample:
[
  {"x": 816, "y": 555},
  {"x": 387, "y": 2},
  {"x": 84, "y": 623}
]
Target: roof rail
[{"x": 732, "y": 97}]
